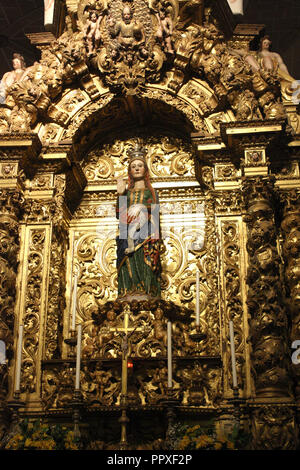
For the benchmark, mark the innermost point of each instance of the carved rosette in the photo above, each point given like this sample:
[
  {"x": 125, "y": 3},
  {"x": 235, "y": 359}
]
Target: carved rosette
[
  {"x": 11, "y": 206},
  {"x": 290, "y": 227},
  {"x": 268, "y": 324}
]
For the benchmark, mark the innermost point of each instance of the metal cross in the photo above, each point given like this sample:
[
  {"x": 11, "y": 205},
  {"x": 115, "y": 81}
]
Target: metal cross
[{"x": 125, "y": 333}]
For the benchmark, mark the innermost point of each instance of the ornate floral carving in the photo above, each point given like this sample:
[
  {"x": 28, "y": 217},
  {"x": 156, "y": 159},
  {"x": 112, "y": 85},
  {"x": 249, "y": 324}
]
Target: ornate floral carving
[
  {"x": 129, "y": 55},
  {"x": 32, "y": 310},
  {"x": 147, "y": 341},
  {"x": 209, "y": 268},
  {"x": 233, "y": 294},
  {"x": 228, "y": 202},
  {"x": 134, "y": 44},
  {"x": 200, "y": 384},
  {"x": 38, "y": 211},
  {"x": 167, "y": 156},
  {"x": 57, "y": 386},
  {"x": 291, "y": 246},
  {"x": 56, "y": 293}
]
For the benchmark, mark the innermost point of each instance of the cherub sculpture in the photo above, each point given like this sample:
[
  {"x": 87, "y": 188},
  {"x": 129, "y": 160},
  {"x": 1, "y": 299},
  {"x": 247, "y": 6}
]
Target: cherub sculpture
[
  {"x": 92, "y": 31},
  {"x": 165, "y": 31}
]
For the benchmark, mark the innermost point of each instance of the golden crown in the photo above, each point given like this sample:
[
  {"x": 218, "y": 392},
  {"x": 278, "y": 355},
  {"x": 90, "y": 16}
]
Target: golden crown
[{"x": 137, "y": 153}]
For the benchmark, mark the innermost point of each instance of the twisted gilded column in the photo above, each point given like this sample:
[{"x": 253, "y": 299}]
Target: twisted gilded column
[
  {"x": 253, "y": 149},
  {"x": 268, "y": 324},
  {"x": 273, "y": 415},
  {"x": 290, "y": 227}
]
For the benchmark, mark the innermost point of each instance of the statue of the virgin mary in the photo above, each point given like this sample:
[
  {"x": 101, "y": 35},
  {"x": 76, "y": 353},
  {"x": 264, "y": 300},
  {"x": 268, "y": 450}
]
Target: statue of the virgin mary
[{"x": 138, "y": 241}]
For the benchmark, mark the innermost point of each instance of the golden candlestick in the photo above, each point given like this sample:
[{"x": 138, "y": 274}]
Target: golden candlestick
[{"x": 125, "y": 332}]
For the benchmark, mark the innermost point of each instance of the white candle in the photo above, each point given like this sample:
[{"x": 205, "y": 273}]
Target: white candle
[
  {"x": 236, "y": 6},
  {"x": 74, "y": 302},
  {"x": 197, "y": 298},
  {"x": 78, "y": 355},
  {"x": 169, "y": 330},
  {"x": 19, "y": 359},
  {"x": 233, "y": 361},
  {"x": 49, "y": 12}
]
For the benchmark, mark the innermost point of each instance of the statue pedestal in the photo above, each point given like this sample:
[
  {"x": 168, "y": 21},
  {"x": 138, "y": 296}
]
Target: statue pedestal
[{"x": 137, "y": 298}]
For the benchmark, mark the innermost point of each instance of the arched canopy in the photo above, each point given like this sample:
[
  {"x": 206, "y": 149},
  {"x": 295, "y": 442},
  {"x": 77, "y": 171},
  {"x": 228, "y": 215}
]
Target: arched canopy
[{"x": 130, "y": 113}]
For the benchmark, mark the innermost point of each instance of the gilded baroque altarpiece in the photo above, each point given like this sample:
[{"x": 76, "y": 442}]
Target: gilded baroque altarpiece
[{"x": 222, "y": 142}]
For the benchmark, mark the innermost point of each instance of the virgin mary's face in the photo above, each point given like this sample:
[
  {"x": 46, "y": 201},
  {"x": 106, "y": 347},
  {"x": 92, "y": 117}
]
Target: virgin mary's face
[{"x": 137, "y": 169}]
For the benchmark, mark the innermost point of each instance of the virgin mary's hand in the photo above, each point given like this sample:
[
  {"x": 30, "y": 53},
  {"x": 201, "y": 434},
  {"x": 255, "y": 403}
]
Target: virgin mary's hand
[{"x": 121, "y": 184}]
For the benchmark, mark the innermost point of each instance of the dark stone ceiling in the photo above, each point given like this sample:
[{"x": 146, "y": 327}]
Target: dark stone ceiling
[
  {"x": 18, "y": 17},
  {"x": 281, "y": 17}
]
